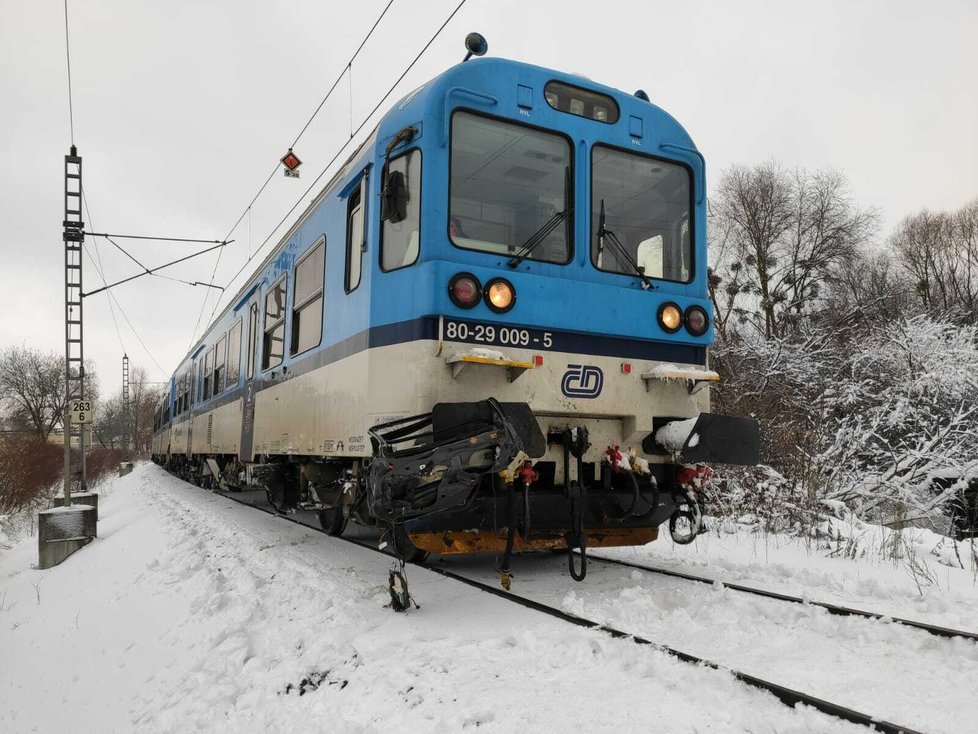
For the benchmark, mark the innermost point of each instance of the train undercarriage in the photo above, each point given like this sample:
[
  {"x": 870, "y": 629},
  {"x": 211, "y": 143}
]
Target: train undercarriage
[{"x": 462, "y": 479}]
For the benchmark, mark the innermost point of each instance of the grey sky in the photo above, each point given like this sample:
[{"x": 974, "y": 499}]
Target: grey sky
[{"x": 182, "y": 108}]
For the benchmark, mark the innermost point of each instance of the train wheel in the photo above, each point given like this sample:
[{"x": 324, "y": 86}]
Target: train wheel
[{"x": 333, "y": 521}]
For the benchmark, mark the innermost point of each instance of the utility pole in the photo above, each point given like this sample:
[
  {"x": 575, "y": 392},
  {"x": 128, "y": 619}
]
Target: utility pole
[
  {"x": 126, "y": 431},
  {"x": 74, "y": 238}
]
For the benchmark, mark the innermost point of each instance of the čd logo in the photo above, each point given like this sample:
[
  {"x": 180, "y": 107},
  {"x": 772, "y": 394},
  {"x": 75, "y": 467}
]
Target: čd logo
[{"x": 582, "y": 381}]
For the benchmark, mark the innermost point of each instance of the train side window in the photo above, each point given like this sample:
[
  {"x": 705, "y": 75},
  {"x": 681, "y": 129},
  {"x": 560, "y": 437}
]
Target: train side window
[
  {"x": 208, "y": 366},
  {"x": 307, "y": 299},
  {"x": 400, "y": 241},
  {"x": 252, "y": 338},
  {"x": 220, "y": 359},
  {"x": 273, "y": 343},
  {"x": 186, "y": 392},
  {"x": 354, "y": 238},
  {"x": 234, "y": 354}
]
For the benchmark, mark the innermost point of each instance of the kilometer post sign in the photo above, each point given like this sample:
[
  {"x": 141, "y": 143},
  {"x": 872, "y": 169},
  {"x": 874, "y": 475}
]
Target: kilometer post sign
[{"x": 81, "y": 411}]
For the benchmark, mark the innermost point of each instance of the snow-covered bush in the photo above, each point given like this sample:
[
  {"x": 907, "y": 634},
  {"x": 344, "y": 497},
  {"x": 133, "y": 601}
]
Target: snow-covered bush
[{"x": 870, "y": 415}]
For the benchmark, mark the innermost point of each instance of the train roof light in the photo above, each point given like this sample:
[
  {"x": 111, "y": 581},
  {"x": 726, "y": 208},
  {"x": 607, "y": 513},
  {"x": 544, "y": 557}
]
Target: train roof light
[
  {"x": 581, "y": 102},
  {"x": 642, "y": 95}
]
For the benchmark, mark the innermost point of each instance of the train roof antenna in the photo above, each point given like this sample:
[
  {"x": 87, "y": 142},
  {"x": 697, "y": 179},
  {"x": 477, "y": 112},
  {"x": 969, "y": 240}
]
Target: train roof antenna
[{"x": 476, "y": 45}]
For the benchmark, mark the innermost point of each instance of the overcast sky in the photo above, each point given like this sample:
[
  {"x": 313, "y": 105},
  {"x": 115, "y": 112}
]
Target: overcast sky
[{"x": 182, "y": 109}]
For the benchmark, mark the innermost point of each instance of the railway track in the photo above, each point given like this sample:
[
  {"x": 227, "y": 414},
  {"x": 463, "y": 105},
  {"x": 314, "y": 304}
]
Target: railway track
[
  {"x": 788, "y": 696},
  {"x": 829, "y": 607}
]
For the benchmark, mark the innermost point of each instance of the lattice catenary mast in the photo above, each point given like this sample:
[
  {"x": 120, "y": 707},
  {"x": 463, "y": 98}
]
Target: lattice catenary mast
[{"x": 74, "y": 238}]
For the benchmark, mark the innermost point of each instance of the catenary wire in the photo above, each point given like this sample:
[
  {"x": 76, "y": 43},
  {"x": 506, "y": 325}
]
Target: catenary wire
[
  {"x": 123, "y": 313},
  {"x": 112, "y": 299},
  {"x": 339, "y": 152},
  {"x": 100, "y": 269},
  {"x": 247, "y": 209},
  {"x": 71, "y": 112}
]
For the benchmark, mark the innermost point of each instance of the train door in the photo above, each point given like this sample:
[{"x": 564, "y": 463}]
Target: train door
[{"x": 248, "y": 411}]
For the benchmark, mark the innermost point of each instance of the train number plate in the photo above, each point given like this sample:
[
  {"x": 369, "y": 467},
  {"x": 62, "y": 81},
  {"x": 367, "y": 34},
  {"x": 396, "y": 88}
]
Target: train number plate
[{"x": 497, "y": 335}]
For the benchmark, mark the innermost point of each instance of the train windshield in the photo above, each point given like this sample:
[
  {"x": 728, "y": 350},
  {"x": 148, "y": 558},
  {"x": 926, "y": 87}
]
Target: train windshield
[
  {"x": 647, "y": 207},
  {"x": 508, "y": 182}
]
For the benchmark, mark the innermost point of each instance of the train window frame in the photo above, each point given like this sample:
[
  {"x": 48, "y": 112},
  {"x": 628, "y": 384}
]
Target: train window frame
[
  {"x": 691, "y": 212},
  {"x": 234, "y": 355},
  {"x": 587, "y": 93},
  {"x": 252, "y": 339},
  {"x": 384, "y": 225},
  {"x": 266, "y": 363},
  {"x": 220, "y": 361},
  {"x": 356, "y": 203},
  {"x": 195, "y": 384},
  {"x": 308, "y": 301},
  {"x": 206, "y": 373},
  {"x": 184, "y": 393},
  {"x": 571, "y": 199}
]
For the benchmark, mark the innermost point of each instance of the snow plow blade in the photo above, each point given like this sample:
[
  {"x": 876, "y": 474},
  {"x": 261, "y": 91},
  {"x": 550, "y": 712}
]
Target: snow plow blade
[
  {"x": 717, "y": 439},
  {"x": 723, "y": 439}
]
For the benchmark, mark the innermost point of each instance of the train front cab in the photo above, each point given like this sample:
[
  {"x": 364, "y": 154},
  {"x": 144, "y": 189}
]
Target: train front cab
[{"x": 563, "y": 271}]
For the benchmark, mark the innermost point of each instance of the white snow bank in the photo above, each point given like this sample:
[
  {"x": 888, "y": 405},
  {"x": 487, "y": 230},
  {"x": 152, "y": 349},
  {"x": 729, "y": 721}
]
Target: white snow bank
[{"x": 193, "y": 613}]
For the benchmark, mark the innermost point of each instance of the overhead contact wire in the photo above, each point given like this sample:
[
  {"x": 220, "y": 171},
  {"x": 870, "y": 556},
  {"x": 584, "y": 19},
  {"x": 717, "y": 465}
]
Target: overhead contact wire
[
  {"x": 100, "y": 268},
  {"x": 344, "y": 146},
  {"x": 271, "y": 174},
  {"x": 71, "y": 112},
  {"x": 112, "y": 299}
]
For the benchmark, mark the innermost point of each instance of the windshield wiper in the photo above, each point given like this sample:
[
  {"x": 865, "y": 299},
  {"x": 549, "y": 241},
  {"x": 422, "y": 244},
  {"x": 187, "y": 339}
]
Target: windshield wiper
[
  {"x": 527, "y": 248},
  {"x": 605, "y": 234}
]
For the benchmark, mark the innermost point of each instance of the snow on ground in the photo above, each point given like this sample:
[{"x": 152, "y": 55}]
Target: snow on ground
[
  {"x": 929, "y": 581},
  {"x": 194, "y": 613},
  {"x": 889, "y": 671}
]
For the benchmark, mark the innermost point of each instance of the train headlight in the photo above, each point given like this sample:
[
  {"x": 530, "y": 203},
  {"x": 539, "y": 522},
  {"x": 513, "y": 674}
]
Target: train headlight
[
  {"x": 465, "y": 290},
  {"x": 697, "y": 322},
  {"x": 670, "y": 317},
  {"x": 500, "y": 296}
]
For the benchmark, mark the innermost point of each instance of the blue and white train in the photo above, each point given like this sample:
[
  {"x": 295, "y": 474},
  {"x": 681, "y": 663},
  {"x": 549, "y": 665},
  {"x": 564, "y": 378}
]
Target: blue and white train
[{"x": 488, "y": 332}]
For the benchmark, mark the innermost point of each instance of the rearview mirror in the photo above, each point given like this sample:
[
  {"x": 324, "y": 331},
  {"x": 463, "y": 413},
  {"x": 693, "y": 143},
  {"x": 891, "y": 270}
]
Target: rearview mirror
[{"x": 393, "y": 205}]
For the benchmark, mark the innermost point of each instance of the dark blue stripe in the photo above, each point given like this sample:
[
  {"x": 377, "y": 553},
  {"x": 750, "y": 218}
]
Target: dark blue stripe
[{"x": 403, "y": 332}]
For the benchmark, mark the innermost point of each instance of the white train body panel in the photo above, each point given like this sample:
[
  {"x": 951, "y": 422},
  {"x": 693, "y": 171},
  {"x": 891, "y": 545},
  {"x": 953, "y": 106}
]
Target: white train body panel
[{"x": 328, "y": 411}]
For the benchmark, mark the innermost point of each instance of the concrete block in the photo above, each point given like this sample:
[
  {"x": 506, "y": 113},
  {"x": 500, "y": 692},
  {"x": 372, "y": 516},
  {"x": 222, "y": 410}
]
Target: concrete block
[
  {"x": 81, "y": 498},
  {"x": 124, "y": 468},
  {"x": 63, "y": 530}
]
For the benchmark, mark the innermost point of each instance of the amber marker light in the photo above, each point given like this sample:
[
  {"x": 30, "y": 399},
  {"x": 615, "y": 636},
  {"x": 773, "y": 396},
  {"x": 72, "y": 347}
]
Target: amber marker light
[
  {"x": 500, "y": 295},
  {"x": 670, "y": 317}
]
